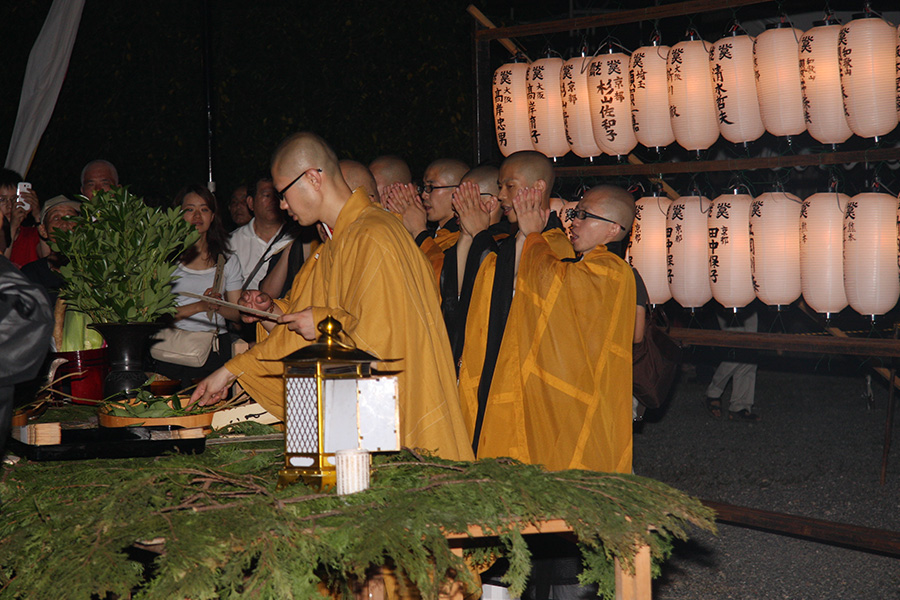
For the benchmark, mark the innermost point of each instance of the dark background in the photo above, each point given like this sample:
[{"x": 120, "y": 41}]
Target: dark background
[{"x": 370, "y": 77}]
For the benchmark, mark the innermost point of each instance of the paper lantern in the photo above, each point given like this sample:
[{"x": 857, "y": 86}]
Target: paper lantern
[
  {"x": 545, "y": 112},
  {"x": 821, "y": 251},
  {"x": 898, "y": 73},
  {"x": 650, "y": 97},
  {"x": 729, "y": 250},
  {"x": 777, "y": 60},
  {"x": 577, "y": 107},
  {"x": 870, "y": 253},
  {"x": 867, "y": 49},
  {"x": 775, "y": 247},
  {"x": 511, "y": 108},
  {"x": 820, "y": 78},
  {"x": 734, "y": 87},
  {"x": 647, "y": 247},
  {"x": 692, "y": 107},
  {"x": 611, "y": 103},
  {"x": 687, "y": 254}
]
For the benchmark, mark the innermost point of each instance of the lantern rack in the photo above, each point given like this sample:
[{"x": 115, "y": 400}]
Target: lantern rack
[{"x": 484, "y": 134}]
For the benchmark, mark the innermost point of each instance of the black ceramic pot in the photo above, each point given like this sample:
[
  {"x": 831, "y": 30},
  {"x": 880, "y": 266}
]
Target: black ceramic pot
[{"x": 125, "y": 344}]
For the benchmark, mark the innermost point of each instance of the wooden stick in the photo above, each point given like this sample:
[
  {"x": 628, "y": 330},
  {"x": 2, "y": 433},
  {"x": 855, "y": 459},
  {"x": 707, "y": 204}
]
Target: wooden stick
[
  {"x": 787, "y": 342},
  {"x": 507, "y": 43},
  {"x": 670, "y": 191}
]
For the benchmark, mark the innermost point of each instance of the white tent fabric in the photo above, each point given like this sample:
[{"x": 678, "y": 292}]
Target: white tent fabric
[{"x": 44, "y": 75}]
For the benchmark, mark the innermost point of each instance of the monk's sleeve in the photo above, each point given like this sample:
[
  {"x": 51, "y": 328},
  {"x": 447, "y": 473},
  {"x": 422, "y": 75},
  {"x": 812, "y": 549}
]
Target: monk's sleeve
[
  {"x": 540, "y": 264},
  {"x": 435, "y": 255}
]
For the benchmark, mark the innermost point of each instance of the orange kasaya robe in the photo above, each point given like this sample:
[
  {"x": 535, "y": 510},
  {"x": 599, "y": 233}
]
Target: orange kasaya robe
[
  {"x": 561, "y": 393},
  {"x": 374, "y": 280}
]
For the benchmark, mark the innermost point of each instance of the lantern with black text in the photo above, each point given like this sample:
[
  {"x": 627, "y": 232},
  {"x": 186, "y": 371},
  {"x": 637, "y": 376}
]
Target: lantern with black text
[
  {"x": 734, "y": 85},
  {"x": 647, "y": 248},
  {"x": 692, "y": 106},
  {"x": 611, "y": 103},
  {"x": 775, "y": 247},
  {"x": 729, "y": 250},
  {"x": 776, "y": 56},
  {"x": 332, "y": 402},
  {"x": 822, "y": 252},
  {"x": 687, "y": 251},
  {"x": 868, "y": 61},
  {"x": 545, "y": 112},
  {"x": 510, "y": 101},
  {"x": 650, "y": 97},
  {"x": 576, "y": 104},
  {"x": 870, "y": 253},
  {"x": 820, "y": 78}
]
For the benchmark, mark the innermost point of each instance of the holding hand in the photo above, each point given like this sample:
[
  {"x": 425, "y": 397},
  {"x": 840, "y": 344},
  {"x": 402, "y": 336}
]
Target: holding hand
[
  {"x": 258, "y": 300},
  {"x": 474, "y": 214},
  {"x": 31, "y": 198},
  {"x": 403, "y": 199},
  {"x": 214, "y": 388},
  {"x": 211, "y": 307},
  {"x": 300, "y": 322},
  {"x": 531, "y": 217}
]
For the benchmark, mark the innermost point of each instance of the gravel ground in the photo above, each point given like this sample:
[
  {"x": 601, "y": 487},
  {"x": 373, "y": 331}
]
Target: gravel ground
[{"x": 816, "y": 453}]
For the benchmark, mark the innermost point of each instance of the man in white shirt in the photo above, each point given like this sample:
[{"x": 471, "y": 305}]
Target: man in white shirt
[{"x": 264, "y": 236}]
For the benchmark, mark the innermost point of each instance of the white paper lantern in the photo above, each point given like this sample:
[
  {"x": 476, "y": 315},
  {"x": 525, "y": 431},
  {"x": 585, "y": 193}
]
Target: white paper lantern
[
  {"x": 821, "y": 251},
  {"x": 729, "y": 250},
  {"x": 692, "y": 107},
  {"x": 734, "y": 87},
  {"x": 650, "y": 97},
  {"x": 820, "y": 77},
  {"x": 870, "y": 253},
  {"x": 775, "y": 247},
  {"x": 867, "y": 49},
  {"x": 611, "y": 103},
  {"x": 545, "y": 112},
  {"x": 898, "y": 73},
  {"x": 511, "y": 108},
  {"x": 647, "y": 248},
  {"x": 577, "y": 107},
  {"x": 777, "y": 60},
  {"x": 687, "y": 253}
]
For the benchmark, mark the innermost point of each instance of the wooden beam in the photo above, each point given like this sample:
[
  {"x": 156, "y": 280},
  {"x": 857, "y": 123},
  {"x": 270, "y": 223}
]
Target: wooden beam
[
  {"x": 852, "y": 536},
  {"x": 506, "y": 42},
  {"x": 615, "y": 18},
  {"x": 787, "y": 342},
  {"x": 733, "y": 164}
]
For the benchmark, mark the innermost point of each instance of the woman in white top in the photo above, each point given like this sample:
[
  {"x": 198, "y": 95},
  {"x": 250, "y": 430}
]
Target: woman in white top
[{"x": 196, "y": 272}]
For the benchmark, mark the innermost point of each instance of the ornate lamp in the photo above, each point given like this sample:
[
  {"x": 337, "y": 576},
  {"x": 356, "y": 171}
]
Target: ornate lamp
[
  {"x": 776, "y": 55},
  {"x": 332, "y": 402},
  {"x": 734, "y": 86},
  {"x": 650, "y": 97},
  {"x": 509, "y": 97}
]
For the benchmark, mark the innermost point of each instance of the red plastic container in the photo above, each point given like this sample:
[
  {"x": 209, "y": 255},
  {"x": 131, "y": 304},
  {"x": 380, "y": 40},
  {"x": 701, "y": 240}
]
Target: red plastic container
[{"x": 89, "y": 385}]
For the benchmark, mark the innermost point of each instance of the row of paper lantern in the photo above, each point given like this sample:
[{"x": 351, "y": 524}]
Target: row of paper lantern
[
  {"x": 833, "y": 249},
  {"x": 832, "y": 81}
]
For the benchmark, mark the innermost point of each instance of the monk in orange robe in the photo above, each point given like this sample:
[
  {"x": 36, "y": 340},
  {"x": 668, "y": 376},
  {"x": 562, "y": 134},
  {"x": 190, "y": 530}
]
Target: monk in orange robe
[
  {"x": 373, "y": 279},
  {"x": 561, "y": 394}
]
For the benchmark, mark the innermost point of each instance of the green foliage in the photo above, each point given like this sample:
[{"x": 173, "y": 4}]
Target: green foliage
[
  {"x": 229, "y": 534},
  {"x": 121, "y": 258}
]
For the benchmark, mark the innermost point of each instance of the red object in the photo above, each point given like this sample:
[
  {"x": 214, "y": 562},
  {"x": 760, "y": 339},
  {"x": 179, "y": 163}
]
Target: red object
[
  {"x": 88, "y": 387},
  {"x": 25, "y": 249}
]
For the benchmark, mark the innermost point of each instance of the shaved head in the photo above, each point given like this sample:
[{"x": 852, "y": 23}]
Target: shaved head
[
  {"x": 486, "y": 179},
  {"x": 358, "y": 175},
  {"x": 531, "y": 166},
  {"x": 304, "y": 150},
  {"x": 611, "y": 202},
  {"x": 389, "y": 169},
  {"x": 443, "y": 175}
]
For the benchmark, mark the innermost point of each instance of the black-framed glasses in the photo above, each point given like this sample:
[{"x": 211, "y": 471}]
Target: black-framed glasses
[
  {"x": 279, "y": 194},
  {"x": 428, "y": 188},
  {"x": 581, "y": 215}
]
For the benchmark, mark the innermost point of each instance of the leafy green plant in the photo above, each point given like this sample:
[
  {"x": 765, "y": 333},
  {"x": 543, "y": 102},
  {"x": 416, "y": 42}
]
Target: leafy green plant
[
  {"x": 148, "y": 406},
  {"x": 121, "y": 258}
]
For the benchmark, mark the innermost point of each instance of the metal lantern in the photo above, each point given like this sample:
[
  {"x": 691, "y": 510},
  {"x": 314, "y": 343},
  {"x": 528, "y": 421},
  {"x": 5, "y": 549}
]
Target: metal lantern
[
  {"x": 611, "y": 103},
  {"x": 734, "y": 86},
  {"x": 333, "y": 402},
  {"x": 509, "y": 97},
  {"x": 545, "y": 111},
  {"x": 650, "y": 97},
  {"x": 820, "y": 75},
  {"x": 692, "y": 106},
  {"x": 573, "y": 87},
  {"x": 867, "y": 48},
  {"x": 777, "y": 60}
]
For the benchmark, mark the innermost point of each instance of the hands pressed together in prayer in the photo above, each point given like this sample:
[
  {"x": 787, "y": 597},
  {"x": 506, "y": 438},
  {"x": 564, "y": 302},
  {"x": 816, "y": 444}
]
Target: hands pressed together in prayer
[
  {"x": 531, "y": 217},
  {"x": 403, "y": 199}
]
